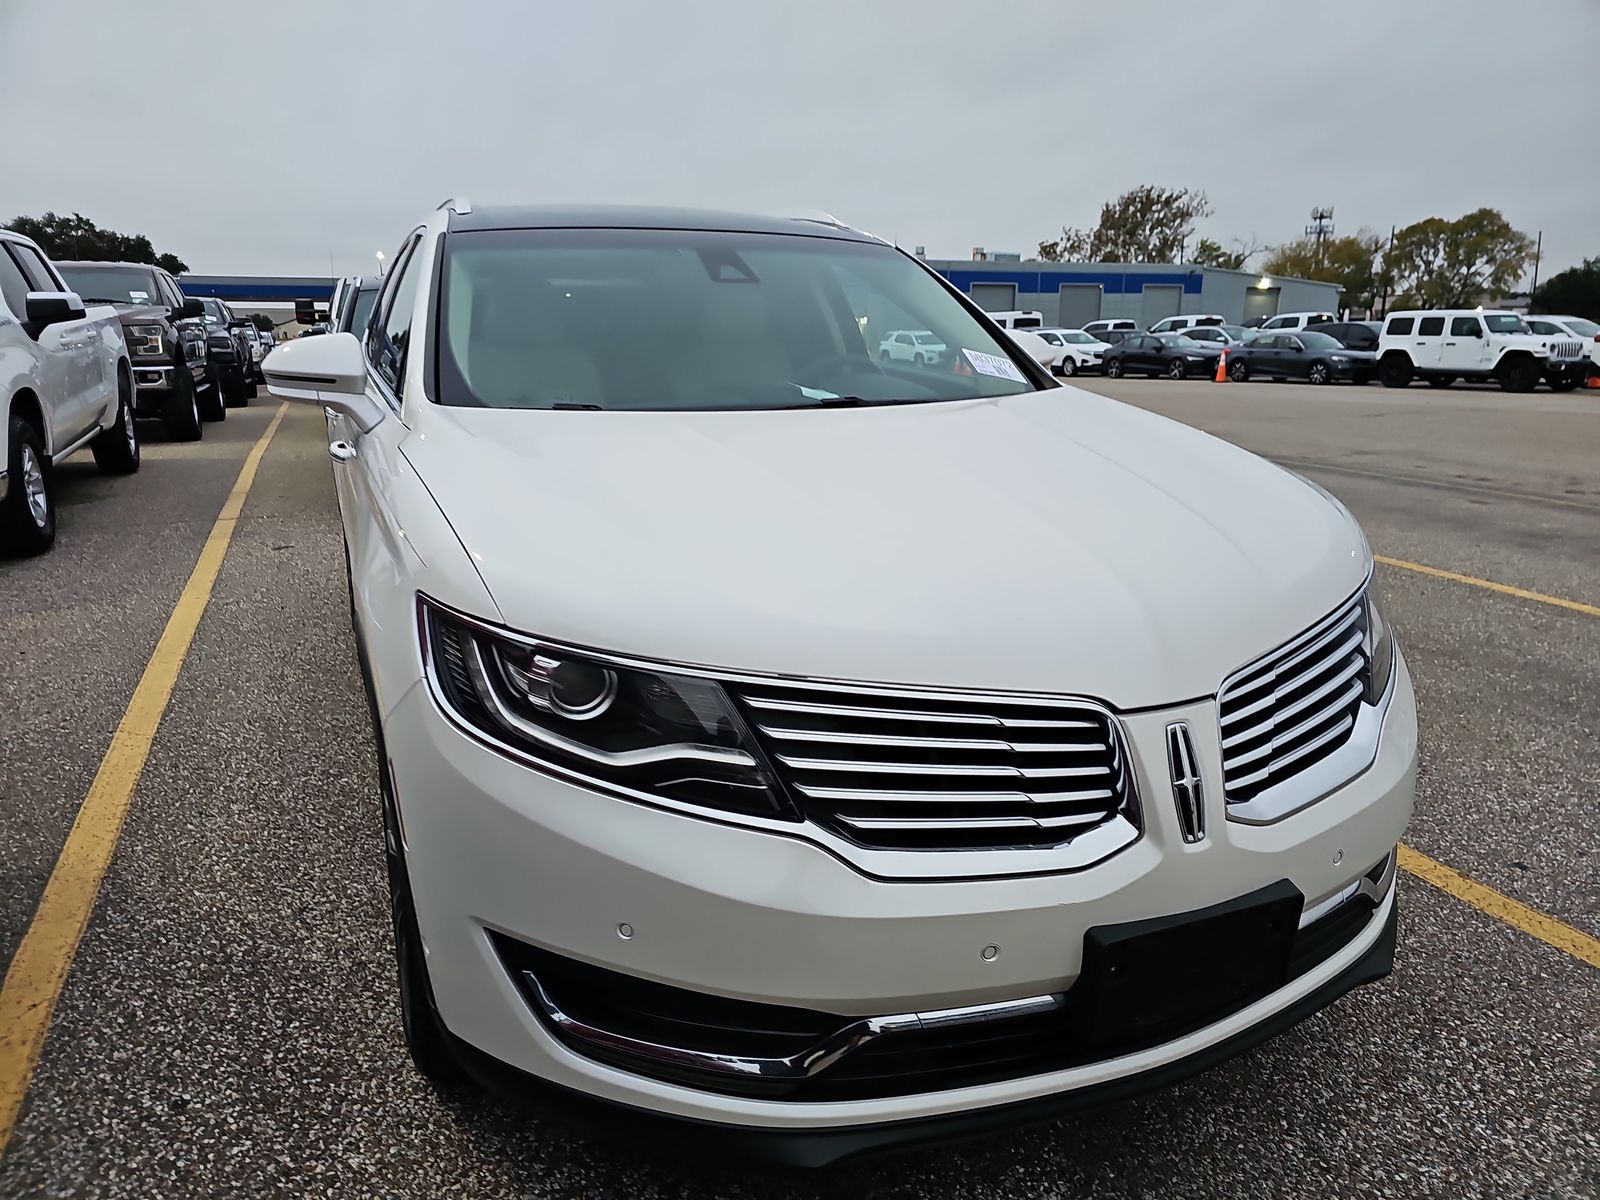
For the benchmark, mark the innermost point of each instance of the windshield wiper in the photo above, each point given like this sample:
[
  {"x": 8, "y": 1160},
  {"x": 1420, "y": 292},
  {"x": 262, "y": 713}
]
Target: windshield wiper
[
  {"x": 571, "y": 407},
  {"x": 103, "y": 300}
]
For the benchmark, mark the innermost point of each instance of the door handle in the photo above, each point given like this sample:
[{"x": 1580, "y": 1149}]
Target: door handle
[{"x": 341, "y": 451}]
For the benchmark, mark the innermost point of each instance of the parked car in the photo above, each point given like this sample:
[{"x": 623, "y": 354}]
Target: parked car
[
  {"x": 1223, "y": 337},
  {"x": 1567, "y": 328},
  {"x": 919, "y": 346},
  {"x": 1169, "y": 354},
  {"x": 228, "y": 355},
  {"x": 1074, "y": 350},
  {"x": 166, "y": 337},
  {"x": 1444, "y": 345},
  {"x": 1034, "y": 346},
  {"x": 355, "y": 306},
  {"x": 1109, "y": 324},
  {"x": 66, "y": 382},
  {"x": 1022, "y": 318},
  {"x": 1357, "y": 335},
  {"x": 1298, "y": 320},
  {"x": 1188, "y": 321},
  {"x": 1114, "y": 337},
  {"x": 1314, "y": 357},
  {"x": 842, "y": 818}
]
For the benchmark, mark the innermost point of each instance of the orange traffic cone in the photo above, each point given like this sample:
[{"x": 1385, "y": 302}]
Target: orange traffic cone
[
  {"x": 1592, "y": 382},
  {"x": 1222, "y": 367}
]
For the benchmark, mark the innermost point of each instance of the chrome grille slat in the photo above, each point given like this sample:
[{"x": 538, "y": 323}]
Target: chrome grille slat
[
  {"x": 924, "y": 770},
  {"x": 1295, "y": 705},
  {"x": 905, "y": 742}
]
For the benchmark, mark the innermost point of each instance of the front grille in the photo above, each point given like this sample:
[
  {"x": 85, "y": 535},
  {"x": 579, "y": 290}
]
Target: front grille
[
  {"x": 1296, "y": 706},
  {"x": 907, "y": 771},
  {"x": 1566, "y": 350}
]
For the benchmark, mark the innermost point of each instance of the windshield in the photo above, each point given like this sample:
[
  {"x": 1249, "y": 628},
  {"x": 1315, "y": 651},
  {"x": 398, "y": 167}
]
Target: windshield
[
  {"x": 112, "y": 285},
  {"x": 1319, "y": 341},
  {"x": 927, "y": 339},
  {"x": 1581, "y": 327},
  {"x": 1237, "y": 332},
  {"x": 214, "y": 313},
  {"x": 529, "y": 318},
  {"x": 1504, "y": 323},
  {"x": 1076, "y": 336},
  {"x": 1179, "y": 341}
]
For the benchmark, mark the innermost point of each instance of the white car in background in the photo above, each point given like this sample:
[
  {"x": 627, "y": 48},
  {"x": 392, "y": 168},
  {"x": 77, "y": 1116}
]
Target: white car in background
[
  {"x": 1106, "y": 324},
  {"x": 1288, "y": 322},
  {"x": 1188, "y": 321},
  {"x": 1568, "y": 328},
  {"x": 65, "y": 383},
  {"x": 798, "y": 811},
  {"x": 1073, "y": 350},
  {"x": 920, "y": 347}
]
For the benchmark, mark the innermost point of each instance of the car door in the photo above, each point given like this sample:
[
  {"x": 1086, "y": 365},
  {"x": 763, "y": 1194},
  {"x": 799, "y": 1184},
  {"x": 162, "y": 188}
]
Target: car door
[
  {"x": 1427, "y": 343},
  {"x": 364, "y": 465},
  {"x": 1464, "y": 348},
  {"x": 73, "y": 358},
  {"x": 1293, "y": 360}
]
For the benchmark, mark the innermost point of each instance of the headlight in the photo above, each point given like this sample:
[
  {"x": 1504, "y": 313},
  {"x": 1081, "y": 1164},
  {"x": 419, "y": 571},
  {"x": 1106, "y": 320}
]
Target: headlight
[
  {"x": 584, "y": 717},
  {"x": 1378, "y": 645},
  {"x": 144, "y": 339},
  {"x": 1338, "y": 358}
]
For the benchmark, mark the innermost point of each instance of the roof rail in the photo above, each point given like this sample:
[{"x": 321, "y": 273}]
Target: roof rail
[{"x": 459, "y": 205}]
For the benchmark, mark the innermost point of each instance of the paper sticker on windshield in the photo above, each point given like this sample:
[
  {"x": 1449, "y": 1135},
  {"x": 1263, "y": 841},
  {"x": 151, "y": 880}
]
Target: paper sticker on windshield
[
  {"x": 994, "y": 364},
  {"x": 138, "y": 295}
]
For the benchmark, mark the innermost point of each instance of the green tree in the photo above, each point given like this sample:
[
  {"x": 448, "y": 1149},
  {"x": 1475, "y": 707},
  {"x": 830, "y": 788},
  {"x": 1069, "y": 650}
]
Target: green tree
[
  {"x": 1147, "y": 224},
  {"x": 1451, "y": 264},
  {"x": 1350, "y": 261},
  {"x": 77, "y": 237},
  {"x": 1575, "y": 291},
  {"x": 1209, "y": 253}
]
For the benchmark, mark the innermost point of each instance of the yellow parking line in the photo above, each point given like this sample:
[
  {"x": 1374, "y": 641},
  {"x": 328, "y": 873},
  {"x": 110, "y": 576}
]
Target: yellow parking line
[
  {"x": 39, "y": 970},
  {"x": 1503, "y": 908},
  {"x": 1504, "y": 589}
]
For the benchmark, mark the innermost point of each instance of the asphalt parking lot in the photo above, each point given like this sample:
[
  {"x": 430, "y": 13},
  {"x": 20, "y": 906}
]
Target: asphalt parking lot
[{"x": 229, "y": 1025}]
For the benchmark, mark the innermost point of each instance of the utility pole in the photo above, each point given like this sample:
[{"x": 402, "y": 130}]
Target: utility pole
[
  {"x": 1383, "y": 269},
  {"x": 1538, "y": 250},
  {"x": 1320, "y": 228}
]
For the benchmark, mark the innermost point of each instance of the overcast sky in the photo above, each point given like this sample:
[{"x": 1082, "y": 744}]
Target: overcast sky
[{"x": 265, "y": 138}]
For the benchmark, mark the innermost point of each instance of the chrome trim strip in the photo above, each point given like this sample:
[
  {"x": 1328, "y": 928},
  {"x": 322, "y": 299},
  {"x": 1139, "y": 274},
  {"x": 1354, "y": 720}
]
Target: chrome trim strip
[
  {"x": 862, "y": 767},
  {"x": 1345, "y": 725},
  {"x": 936, "y": 824},
  {"x": 1284, "y": 689},
  {"x": 813, "y": 708},
  {"x": 904, "y": 742},
  {"x": 813, "y": 1060},
  {"x": 1361, "y": 886},
  {"x": 1327, "y": 712},
  {"x": 79, "y": 444},
  {"x": 926, "y": 796}
]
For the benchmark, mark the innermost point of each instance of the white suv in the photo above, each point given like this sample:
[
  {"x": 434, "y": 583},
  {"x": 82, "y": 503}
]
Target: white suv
[
  {"x": 1073, "y": 350},
  {"x": 1569, "y": 329},
  {"x": 920, "y": 347},
  {"x": 1444, "y": 345},
  {"x": 737, "y": 780},
  {"x": 1191, "y": 321},
  {"x": 65, "y": 383},
  {"x": 1297, "y": 320}
]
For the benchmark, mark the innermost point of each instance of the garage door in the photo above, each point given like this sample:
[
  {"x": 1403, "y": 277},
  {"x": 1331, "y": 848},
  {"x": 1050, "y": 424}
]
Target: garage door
[
  {"x": 1161, "y": 300},
  {"x": 1080, "y": 304},
  {"x": 995, "y": 297},
  {"x": 1260, "y": 302}
]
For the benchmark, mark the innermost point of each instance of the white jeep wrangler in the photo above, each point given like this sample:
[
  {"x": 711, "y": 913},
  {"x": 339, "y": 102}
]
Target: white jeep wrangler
[{"x": 1444, "y": 345}]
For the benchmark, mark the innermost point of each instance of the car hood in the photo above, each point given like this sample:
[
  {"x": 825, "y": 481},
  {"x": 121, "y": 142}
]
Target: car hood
[
  {"x": 1053, "y": 542},
  {"x": 143, "y": 314}
]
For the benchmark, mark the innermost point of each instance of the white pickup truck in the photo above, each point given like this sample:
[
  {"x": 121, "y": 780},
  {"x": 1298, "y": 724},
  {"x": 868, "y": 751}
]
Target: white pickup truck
[{"x": 65, "y": 383}]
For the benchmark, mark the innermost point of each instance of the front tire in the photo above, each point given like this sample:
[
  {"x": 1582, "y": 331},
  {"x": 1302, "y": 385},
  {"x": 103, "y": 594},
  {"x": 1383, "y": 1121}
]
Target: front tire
[
  {"x": 1114, "y": 368},
  {"x": 1177, "y": 369},
  {"x": 1319, "y": 373},
  {"x": 1238, "y": 370},
  {"x": 1069, "y": 366},
  {"x": 116, "y": 450},
  {"x": 213, "y": 404},
  {"x": 1518, "y": 375},
  {"x": 183, "y": 409},
  {"x": 28, "y": 511}
]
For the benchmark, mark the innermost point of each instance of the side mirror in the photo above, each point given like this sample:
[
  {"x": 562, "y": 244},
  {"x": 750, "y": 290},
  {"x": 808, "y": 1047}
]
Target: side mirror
[
  {"x": 330, "y": 371},
  {"x": 189, "y": 308},
  {"x": 1477, "y": 331},
  {"x": 51, "y": 308}
]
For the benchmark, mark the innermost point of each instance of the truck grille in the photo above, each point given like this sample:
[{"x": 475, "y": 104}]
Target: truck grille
[
  {"x": 1296, "y": 705},
  {"x": 1566, "y": 350},
  {"x": 900, "y": 770}
]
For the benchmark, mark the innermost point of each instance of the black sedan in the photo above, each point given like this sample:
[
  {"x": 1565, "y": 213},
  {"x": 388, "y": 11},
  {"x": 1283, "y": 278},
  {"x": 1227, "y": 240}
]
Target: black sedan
[
  {"x": 1169, "y": 354},
  {"x": 1314, "y": 357}
]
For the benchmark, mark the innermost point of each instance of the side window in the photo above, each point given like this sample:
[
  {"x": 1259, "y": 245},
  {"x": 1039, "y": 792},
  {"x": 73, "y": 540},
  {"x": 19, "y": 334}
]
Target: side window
[
  {"x": 14, "y": 286},
  {"x": 1291, "y": 343},
  {"x": 1430, "y": 327},
  {"x": 1465, "y": 327},
  {"x": 1398, "y": 326},
  {"x": 1544, "y": 328},
  {"x": 37, "y": 270},
  {"x": 391, "y": 334}
]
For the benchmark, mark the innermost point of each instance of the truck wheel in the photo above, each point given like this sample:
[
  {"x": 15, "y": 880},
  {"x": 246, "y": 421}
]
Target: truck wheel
[
  {"x": 116, "y": 450},
  {"x": 1395, "y": 371},
  {"x": 183, "y": 410},
  {"x": 1441, "y": 381},
  {"x": 1518, "y": 375},
  {"x": 213, "y": 404},
  {"x": 28, "y": 511}
]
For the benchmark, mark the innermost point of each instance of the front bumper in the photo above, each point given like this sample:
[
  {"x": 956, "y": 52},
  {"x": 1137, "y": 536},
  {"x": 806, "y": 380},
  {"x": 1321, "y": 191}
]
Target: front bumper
[{"x": 496, "y": 850}]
